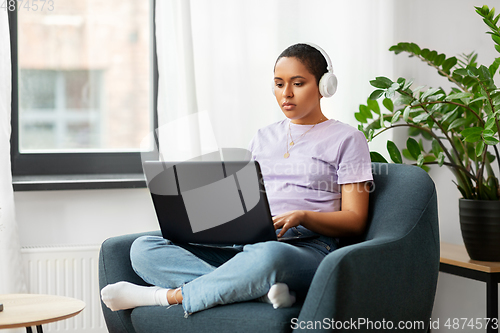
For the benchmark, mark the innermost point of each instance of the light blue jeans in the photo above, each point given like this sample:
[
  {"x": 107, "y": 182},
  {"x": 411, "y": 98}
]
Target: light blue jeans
[{"x": 212, "y": 275}]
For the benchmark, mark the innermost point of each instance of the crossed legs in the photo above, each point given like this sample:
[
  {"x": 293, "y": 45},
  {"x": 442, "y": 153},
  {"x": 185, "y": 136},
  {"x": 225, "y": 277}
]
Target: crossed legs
[{"x": 208, "y": 275}]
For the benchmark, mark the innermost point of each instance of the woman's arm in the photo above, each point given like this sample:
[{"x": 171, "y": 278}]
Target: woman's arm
[{"x": 349, "y": 221}]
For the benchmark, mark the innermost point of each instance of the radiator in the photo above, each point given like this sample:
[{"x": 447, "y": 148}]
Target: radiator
[{"x": 70, "y": 271}]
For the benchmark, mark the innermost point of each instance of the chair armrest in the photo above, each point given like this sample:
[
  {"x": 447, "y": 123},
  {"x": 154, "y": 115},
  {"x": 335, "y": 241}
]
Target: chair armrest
[
  {"x": 379, "y": 279},
  {"x": 114, "y": 266}
]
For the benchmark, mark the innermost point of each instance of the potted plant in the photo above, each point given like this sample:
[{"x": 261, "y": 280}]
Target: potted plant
[{"x": 457, "y": 128}]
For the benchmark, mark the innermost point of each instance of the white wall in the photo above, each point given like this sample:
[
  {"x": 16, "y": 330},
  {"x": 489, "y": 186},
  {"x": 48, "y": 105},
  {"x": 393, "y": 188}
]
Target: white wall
[
  {"x": 450, "y": 27},
  {"x": 83, "y": 217}
]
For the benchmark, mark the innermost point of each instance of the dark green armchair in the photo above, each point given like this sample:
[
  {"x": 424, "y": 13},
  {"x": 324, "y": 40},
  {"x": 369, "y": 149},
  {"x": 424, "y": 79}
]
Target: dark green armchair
[{"x": 387, "y": 277}]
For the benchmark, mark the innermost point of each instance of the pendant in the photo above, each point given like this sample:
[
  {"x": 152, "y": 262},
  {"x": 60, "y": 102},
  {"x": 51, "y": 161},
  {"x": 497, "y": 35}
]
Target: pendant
[
  {"x": 286, "y": 155},
  {"x": 292, "y": 143}
]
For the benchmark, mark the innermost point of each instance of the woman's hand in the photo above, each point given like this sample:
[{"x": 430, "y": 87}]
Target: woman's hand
[{"x": 288, "y": 220}]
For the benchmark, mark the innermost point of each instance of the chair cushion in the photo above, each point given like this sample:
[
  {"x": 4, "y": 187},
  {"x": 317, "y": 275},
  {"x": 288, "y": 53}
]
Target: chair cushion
[{"x": 231, "y": 318}]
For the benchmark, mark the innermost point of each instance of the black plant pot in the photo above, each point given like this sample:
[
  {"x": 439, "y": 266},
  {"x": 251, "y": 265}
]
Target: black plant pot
[{"x": 480, "y": 224}]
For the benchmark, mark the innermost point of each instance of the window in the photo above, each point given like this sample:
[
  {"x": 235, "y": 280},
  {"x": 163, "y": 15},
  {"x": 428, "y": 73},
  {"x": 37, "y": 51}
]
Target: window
[
  {"x": 60, "y": 110},
  {"x": 84, "y": 79}
]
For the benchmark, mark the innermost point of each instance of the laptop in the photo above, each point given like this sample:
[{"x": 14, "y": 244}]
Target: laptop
[{"x": 208, "y": 202}]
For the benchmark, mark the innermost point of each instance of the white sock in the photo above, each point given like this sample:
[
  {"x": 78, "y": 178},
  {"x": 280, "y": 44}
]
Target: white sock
[
  {"x": 279, "y": 296},
  {"x": 125, "y": 295}
]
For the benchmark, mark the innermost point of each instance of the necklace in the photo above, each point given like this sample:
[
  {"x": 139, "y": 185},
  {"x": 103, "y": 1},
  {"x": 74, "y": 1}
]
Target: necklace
[{"x": 292, "y": 143}]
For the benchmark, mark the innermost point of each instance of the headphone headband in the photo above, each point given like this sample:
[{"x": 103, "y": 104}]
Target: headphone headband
[{"x": 329, "y": 66}]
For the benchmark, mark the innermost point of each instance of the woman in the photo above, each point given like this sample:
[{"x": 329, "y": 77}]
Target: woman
[{"x": 316, "y": 172}]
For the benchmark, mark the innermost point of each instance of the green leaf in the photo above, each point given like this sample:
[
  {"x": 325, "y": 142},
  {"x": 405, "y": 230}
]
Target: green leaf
[
  {"x": 421, "y": 117},
  {"x": 365, "y": 111},
  {"x": 472, "y": 71},
  {"x": 434, "y": 98},
  {"x": 413, "y": 147},
  {"x": 490, "y": 123},
  {"x": 494, "y": 66},
  {"x": 496, "y": 38},
  {"x": 440, "y": 159},
  {"x": 420, "y": 160},
  {"x": 376, "y": 94},
  {"x": 450, "y": 115},
  {"x": 479, "y": 148},
  {"x": 406, "y": 113},
  {"x": 471, "y": 131},
  {"x": 461, "y": 71},
  {"x": 408, "y": 84},
  {"x": 478, "y": 99},
  {"x": 458, "y": 96},
  {"x": 359, "y": 117},
  {"x": 436, "y": 148},
  {"x": 373, "y": 105},
  {"x": 488, "y": 132},
  {"x": 371, "y": 131},
  {"x": 381, "y": 82},
  {"x": 402, "y": 100},
  {"x": 473, "y": 138},
  {"x": 449, "y": 63},
  {"x": 376, "y": 157},
  {"x": 388, "y": 104},
  {"x": 414, "y": 48},
  {"x": 484, "y": 73},
  {"x": 412, "y": 131},
  {"x": 417, "y": 89},
  {"x": 392, "y": 90},
  {"x": 395, "y": 117},
  {"x": 457, "y": 123},
  {"x": 429, "y": 92},
  {"x": 490, "y": 140},
  {"x": 429, "y": 158},
  {"x": 394, "y": 152},
  {"x": 496, "y": 100},
  {"x": 432, "y": 55},
  {"x": 407, "y": 155},
  {"x": 438, "y": 61},
  {"x": 426, "y": 135},
  {"x": 425, "y": 168}
]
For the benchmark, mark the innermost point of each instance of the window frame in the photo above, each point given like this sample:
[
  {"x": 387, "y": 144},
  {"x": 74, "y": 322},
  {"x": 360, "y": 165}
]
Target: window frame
[{"x": 79, "y": 169}]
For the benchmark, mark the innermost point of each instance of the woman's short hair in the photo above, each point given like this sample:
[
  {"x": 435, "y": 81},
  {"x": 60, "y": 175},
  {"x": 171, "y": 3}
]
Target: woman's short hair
[{"x": 309, "y": 56}]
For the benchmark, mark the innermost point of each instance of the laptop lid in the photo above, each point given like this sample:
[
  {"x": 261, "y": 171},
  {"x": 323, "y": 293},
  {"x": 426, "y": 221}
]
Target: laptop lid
[{"x": 210, "y": 202}]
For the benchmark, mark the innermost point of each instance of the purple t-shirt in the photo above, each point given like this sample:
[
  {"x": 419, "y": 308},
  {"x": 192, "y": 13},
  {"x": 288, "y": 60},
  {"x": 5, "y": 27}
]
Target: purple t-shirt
[{"x": 329, "y": 155}]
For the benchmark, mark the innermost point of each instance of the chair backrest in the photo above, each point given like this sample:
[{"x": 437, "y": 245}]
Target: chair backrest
[{"x": 400, "y": 194}]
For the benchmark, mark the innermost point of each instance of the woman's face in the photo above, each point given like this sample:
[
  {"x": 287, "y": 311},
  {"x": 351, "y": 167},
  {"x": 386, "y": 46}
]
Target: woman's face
[{"x": 296, "y": 91}]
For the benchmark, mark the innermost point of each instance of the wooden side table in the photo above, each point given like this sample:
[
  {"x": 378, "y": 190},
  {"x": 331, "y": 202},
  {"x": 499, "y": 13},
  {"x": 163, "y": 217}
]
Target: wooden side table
[
  {"x": 455, "y": 260},
  {"x": 26, "y": 310}
]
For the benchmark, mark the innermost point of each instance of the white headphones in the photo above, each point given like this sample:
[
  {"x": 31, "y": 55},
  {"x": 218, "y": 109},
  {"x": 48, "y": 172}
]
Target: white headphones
[{"x": 328, "y": 82}]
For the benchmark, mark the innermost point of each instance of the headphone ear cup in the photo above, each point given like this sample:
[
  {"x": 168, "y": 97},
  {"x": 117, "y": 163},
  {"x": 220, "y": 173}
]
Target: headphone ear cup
[{"x": 328, "y": 85}]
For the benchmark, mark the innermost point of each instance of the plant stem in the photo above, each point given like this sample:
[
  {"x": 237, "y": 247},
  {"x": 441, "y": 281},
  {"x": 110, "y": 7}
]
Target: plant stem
[
  {"x": 480, "y": 174},
  {"x": 446, "y": 135},
  {"x": 498, "y": 158},
  {"x": 495, "y": 147}
]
